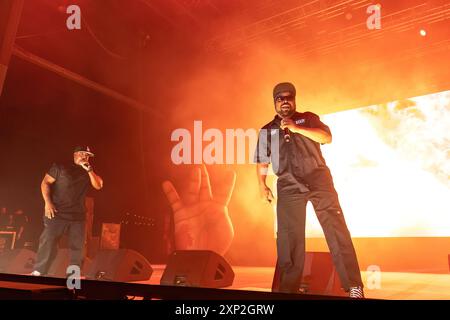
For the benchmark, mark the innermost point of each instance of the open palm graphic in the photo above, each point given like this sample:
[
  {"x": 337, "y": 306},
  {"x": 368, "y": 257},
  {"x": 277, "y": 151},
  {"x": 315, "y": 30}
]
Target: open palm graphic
[{"x": 201, "y": 220}]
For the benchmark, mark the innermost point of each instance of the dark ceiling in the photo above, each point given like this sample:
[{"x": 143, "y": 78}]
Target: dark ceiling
[{"x": 117, "y": 38}]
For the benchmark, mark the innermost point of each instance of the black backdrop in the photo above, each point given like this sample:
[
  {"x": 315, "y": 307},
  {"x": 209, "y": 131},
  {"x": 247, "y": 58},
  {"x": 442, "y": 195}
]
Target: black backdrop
[{"x": 43, "y": 116}]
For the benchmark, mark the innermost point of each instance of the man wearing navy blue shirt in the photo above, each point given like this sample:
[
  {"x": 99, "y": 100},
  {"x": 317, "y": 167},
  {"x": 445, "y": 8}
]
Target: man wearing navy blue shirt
[
  {"x": 291, "y": 142},
  {"x": 64, "y": 189}
]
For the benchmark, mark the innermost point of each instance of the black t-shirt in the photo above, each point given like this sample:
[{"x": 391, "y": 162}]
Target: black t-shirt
[
  {"x": 299, "y": 163},
  {"x": 69, "y": 190}
]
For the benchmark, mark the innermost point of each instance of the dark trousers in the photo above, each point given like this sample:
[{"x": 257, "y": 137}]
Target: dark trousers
[
  {"x": 54, "y": 229},
  {"x": 291, "y": 216}
]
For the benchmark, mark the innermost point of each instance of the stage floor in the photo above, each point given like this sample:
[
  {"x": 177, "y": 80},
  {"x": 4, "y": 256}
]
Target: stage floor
[{"x": 394, "y": 285}]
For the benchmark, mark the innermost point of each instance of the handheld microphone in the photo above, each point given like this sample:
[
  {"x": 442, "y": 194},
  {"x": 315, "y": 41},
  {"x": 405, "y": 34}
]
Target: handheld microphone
[
  {"x": 287, "y": 135},
  {"x": 286, "y": 132}
]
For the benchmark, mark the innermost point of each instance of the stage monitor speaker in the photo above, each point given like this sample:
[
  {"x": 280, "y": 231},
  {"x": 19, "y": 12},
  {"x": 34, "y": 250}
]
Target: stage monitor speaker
[
  {"x": 122, "y": 265},
  {"x": 319, "y": 275},
  {"x": 197, "y": 268},
  {"x": 17, "y": 261},
  {"x": 58, "y": 267}
]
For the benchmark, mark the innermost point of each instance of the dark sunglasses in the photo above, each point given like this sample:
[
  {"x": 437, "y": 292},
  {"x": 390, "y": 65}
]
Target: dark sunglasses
[{"x": 282, "y": 98}]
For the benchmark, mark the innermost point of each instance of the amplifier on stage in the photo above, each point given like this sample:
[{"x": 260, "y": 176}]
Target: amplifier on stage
[
  {"x": 110, "y": 238},
  {"x": 7, "y": 240}
]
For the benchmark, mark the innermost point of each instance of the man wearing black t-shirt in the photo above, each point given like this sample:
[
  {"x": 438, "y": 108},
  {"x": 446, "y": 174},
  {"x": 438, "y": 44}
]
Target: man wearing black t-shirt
[
  {"x": 291, "y": 142},
  {"x": 64, "y": 189}
]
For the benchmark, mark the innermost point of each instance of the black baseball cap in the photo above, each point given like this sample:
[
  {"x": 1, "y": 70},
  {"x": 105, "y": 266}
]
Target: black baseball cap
[
  {"x": 283, "y": 87},
  {"x": 84, "y": 149}
]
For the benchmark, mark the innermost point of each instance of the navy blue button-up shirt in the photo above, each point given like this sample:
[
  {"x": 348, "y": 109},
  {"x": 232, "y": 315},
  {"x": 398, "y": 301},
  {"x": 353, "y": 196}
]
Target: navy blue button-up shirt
[{"x": 299, "y": 163}]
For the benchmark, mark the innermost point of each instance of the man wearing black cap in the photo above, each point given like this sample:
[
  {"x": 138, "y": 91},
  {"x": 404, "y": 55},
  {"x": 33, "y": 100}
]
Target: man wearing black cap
[
  {"x": 291, "y": 142},
  {"x": 64, "y": 189}
]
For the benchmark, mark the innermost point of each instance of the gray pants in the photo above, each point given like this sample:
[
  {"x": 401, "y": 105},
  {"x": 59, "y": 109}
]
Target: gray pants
[
  {"x": 291, "y": 215},
  {"x": 53, "y": 231}
]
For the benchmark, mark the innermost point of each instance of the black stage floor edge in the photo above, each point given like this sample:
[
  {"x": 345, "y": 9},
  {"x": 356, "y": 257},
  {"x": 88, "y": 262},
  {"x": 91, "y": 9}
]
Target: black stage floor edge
[{"x": 14, "y": 286}]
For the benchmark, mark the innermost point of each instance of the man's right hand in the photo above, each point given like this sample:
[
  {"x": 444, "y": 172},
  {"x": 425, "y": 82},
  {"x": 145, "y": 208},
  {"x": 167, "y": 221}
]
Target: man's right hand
[
  {"x": 50, "y": 210},
  {"x": 266, "y": 194}
]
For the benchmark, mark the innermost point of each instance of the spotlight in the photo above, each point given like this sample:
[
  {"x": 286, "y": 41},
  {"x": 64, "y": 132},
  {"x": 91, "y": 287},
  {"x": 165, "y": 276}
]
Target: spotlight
[
  {"x": 348, "y": 13},
  {"x": 422, "y": 32}
]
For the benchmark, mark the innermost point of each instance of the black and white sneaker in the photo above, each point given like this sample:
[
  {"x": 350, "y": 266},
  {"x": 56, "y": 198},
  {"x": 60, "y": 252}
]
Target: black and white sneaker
[{"x": 356, "y": 293}]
